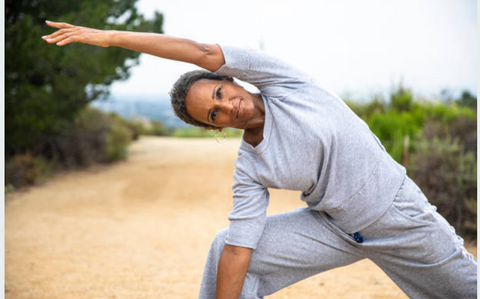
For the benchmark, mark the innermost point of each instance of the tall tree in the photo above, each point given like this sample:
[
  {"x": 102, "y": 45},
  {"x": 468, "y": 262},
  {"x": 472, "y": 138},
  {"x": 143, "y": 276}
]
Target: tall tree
[{"x": 46, "y": 86}]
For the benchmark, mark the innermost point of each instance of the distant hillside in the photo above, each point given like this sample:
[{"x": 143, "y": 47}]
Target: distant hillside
[{"x": 150, "y": 107}]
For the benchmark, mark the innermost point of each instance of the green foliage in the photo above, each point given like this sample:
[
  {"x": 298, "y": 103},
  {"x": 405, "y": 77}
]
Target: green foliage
[
  {"x": 405, "y": 116},
  {"x": 391, "y": 127},
  {"x": 401, "y": 99},
  {"x": 146, "y": 127},
  {"x": 117, "y": 141},
  {"x": 157, "y": 129},
  {"x": 46, "y": 86},
  {"x": 442, "y": 153},
  {"x": 448, "y": 177},
  {"x": 9, "y": 188},
  {"x": 468, "y": 100},
  {"x": 471, "y": 204},
  {"x": 93, "y": 137},
  {"x": 196, "y": 132},
  {"x": 376, "y": 106},
  {"x": 463, "y": 128},
  {"x": 447, "y": 113},
  {"x": 25, "y": 169}
]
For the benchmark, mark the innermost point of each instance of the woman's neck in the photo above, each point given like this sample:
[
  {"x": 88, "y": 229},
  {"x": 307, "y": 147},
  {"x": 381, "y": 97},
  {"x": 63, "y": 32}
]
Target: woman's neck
[
  {"x": 258, "y": 119},
  {"x": 254, "y": 130}
]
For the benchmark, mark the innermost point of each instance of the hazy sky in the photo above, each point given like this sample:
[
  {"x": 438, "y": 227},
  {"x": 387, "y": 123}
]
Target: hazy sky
[{"x": 353, "y": 47}]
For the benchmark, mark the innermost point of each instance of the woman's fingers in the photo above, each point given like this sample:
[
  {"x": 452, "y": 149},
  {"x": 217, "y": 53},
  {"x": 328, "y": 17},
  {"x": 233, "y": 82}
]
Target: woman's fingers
[
  {"x": 58, "y": 25},
  {"x": 63, "y": 36},
  {"x": 57, "y": 38},
  {"x": 56, "y": 34},
  {"x": 68, "y": 33},
  {"x": 68, "y": 40}
]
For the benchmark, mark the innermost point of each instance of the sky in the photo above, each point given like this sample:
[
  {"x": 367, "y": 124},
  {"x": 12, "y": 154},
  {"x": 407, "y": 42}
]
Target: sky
[{"x": 355, "y": 48}]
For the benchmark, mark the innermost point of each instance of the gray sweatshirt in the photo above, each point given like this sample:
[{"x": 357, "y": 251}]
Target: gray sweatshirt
[{"x": 313, "y": 143}]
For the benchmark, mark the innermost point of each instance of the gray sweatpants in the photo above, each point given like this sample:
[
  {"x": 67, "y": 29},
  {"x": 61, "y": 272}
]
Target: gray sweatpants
[{"x": 411, "y": 242}]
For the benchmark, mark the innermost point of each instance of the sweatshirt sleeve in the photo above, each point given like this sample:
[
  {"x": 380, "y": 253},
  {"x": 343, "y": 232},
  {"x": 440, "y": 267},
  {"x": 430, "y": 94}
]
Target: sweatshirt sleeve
[
  {"x": 258, "y": 68},
  {"x": 249, "y": 211}
]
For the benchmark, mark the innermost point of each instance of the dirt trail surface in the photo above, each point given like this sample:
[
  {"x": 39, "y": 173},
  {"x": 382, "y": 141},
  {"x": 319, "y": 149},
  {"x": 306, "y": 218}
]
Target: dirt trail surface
[{"x": 142, "y": 229}]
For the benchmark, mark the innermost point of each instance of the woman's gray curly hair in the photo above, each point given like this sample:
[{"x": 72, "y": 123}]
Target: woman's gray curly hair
[{"x": 179, "y": 91}]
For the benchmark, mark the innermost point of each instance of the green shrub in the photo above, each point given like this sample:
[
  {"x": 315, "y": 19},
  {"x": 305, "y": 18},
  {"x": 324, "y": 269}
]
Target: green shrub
[
  {"x": 468, "y": 100},
  {"x": 448, "y": 177},
  {"x": 471, "y": 204},
  {"x": 25, "y": 169},
  {"x": 463, "y": 128},
  {"x": 447, "y": 113},
  {"x": 157, "y": 129},
  {"x": 442, "y": 153},
  {"x": 93, "y": 137},
  {"x": 138, "y": 127},
  {"x": 391, "y": 127},
  {"x": 119, "y": 137},
  {"x": 194, "y": 132},
  {"x": 197, "y": 132},
  {"x": 401, "y": 99},
  {"x": 147, "y": 127},
  {"x": 405, "y": 116},
  {"x": 375, "y": 106},
  {"x": 81, "y": 142}
]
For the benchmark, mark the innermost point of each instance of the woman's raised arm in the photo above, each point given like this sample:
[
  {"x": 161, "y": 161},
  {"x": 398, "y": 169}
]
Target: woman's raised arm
[{"x": 206, "y": 56}]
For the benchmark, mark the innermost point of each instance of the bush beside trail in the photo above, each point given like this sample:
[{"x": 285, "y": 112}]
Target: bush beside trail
[
  {"x": 437, "y": 143},
  {"x": 196, "y": 132},
  {"x": 93, "y": 137}
]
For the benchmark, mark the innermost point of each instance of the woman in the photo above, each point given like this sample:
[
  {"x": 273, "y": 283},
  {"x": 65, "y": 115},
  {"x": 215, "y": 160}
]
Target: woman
[{"x": 299, "y": 136}]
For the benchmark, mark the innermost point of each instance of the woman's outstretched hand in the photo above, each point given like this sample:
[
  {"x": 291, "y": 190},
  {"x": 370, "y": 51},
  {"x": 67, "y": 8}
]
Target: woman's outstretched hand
[
  {"x": 68, "y": 33},
  {"x": 206, "y": 56}
]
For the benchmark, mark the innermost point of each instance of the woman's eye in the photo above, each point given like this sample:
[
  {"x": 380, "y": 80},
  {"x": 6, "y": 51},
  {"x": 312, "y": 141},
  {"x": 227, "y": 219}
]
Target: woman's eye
[
  {"x": 214, "y": 114},
  {"x": 219, "y": 93}
]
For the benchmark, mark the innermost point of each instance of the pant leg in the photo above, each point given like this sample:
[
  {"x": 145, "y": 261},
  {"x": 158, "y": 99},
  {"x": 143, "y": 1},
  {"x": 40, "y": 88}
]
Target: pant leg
[
  {"x": 419, "y": 250},
  {"x": 293, "y": 246}
]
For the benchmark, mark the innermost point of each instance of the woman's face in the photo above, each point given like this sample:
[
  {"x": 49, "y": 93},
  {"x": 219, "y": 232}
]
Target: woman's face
[{"x": 220, "y": 104}]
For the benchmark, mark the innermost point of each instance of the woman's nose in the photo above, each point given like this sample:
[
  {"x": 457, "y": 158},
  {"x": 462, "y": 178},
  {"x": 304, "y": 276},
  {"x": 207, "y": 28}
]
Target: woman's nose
[{"x": 225, "y": 106}]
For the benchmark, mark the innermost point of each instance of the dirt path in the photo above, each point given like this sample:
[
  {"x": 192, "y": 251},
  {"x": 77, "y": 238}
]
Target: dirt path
[{"x": 142, "y": 229}]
